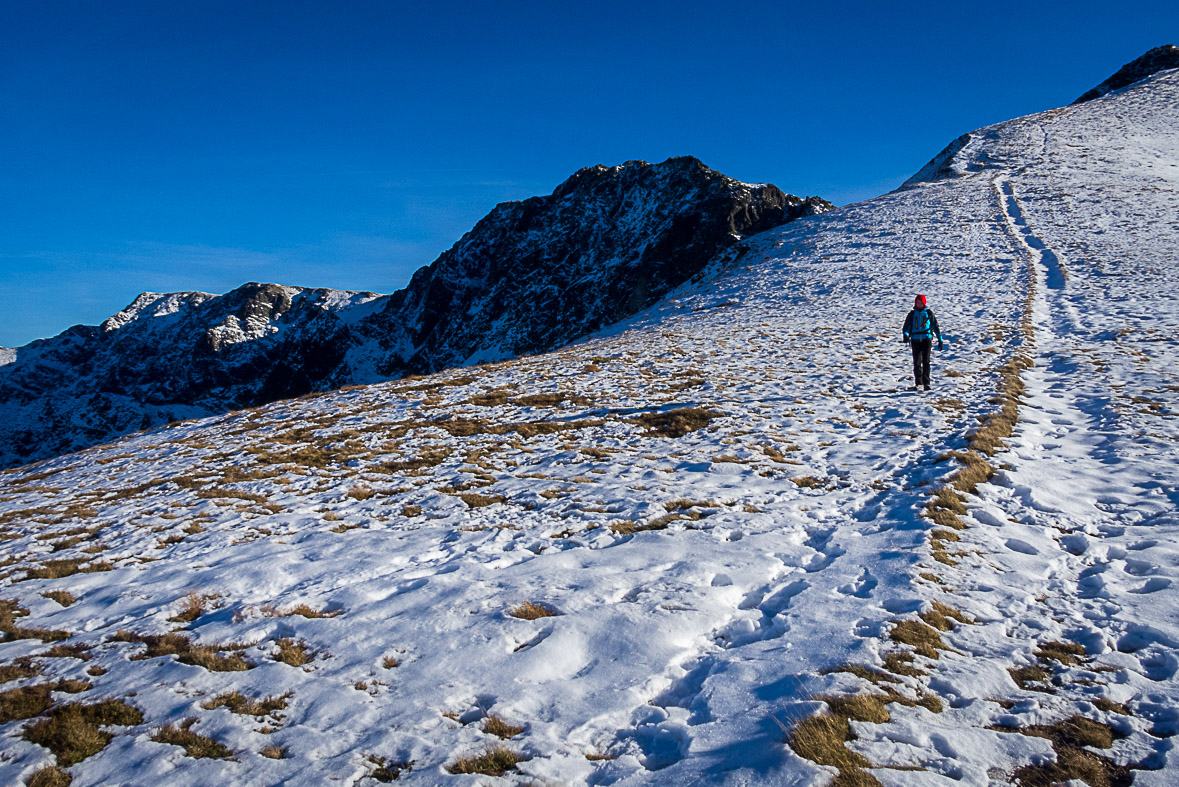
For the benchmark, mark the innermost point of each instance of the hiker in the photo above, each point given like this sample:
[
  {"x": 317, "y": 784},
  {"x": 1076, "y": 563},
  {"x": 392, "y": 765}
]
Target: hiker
[{"x": 919, "y": 329}]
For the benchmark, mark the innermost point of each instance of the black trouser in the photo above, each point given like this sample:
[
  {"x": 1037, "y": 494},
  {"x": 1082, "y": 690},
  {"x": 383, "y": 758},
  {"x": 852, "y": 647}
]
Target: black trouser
[{"x": 921, "y": 351}]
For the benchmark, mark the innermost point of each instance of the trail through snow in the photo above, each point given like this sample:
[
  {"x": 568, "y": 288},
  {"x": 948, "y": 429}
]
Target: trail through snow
[{"x": 719, "y": 511}]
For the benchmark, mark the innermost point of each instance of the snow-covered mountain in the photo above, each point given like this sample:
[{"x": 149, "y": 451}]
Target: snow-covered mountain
[
  {"x": 721, "y": 542},
  {"x": 529, "y": 277}
]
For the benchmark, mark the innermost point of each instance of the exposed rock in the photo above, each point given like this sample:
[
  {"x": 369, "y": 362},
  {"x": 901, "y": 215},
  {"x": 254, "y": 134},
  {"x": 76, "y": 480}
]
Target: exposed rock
[{"x": 1158, "y": 59}]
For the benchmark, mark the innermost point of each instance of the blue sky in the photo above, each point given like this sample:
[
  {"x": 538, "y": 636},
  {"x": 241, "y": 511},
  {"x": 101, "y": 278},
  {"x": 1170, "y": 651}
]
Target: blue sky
[{"x": 200, "y": 145}]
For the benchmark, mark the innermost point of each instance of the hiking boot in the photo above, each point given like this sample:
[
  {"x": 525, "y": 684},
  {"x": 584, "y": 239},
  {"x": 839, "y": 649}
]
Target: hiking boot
[{"x": 927, "y": 387}]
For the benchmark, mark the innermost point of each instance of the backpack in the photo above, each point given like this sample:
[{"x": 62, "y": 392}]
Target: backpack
[{"x": 922, "y": 328}]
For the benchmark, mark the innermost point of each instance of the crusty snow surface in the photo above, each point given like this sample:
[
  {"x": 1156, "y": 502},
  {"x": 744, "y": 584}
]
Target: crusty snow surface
[{"x": 705, "y": 585}]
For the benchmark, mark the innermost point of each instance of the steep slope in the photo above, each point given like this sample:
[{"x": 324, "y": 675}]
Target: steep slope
[
  {"x": 530, "y": 276},
  {"x": 726, "y": 514}
]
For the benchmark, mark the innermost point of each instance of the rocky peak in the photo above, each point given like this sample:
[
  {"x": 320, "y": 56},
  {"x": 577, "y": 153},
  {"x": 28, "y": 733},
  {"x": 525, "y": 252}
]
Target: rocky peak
[{"x": 1158, "y": 59}]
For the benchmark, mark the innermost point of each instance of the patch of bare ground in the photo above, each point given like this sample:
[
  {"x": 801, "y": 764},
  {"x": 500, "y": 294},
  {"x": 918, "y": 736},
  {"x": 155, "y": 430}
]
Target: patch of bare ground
[
  {"x": 238, "y": 703},
  {"x": 186, "y": 652},
  {"x": 73, "y": 732},
  {"x": 49, "y": 776},
  {"x": 492, "y": 761},
  {"x": 531, "y": 611},
  {"x": 302, "y": 610},
  {"x": 386, "y": 769},
  {"x": 1071, "y": 738},
  {"x": 194, "y": 744},
  {"x": 294, "y": 652},
  {"x": 10, "y": 611},
  {"x": 676, "y": 422},
  {"x": 58, "y": 569},
  {"x": 494, "y": 725}
]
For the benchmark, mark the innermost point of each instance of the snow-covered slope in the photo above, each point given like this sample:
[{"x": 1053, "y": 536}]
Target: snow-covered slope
[
  {"x": 530, "y": 276},
  {"x": 654, "y": 556}
]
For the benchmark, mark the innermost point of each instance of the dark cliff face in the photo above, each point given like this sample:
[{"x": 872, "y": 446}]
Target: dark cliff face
[
  {"x": 530, "y": 276},
  {"x": 1158, "y": 59},
  {"x": 606, "y": 243}
]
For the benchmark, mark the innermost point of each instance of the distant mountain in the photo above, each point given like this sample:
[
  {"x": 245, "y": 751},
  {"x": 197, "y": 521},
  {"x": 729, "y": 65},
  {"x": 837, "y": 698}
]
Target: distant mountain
[
  {"x": 530, "y": 276},
  {"x": 1158, "y": 59}
]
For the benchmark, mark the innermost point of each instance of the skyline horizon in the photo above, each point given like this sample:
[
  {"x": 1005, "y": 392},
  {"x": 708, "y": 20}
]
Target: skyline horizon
[{"x": 163, "y": 149}]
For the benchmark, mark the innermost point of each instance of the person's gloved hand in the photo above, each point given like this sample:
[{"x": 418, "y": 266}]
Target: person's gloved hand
[
  {"x": 905, "y": 339},
  {"x": 940, "y": 346}
]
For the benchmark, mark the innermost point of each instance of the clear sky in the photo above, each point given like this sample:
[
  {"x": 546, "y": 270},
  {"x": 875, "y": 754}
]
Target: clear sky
[{"x": 163, "y": 145}]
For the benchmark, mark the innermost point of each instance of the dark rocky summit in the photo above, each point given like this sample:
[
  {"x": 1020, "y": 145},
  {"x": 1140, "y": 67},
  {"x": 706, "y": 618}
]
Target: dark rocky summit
[
  {"x": 530, "y": 276},
  {"x": 1158, "y": 59}
]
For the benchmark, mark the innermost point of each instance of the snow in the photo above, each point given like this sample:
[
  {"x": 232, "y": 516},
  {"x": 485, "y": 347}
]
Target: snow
[
  {"x": 783, "y": 539},
  {"x": 7, "y": 355}
]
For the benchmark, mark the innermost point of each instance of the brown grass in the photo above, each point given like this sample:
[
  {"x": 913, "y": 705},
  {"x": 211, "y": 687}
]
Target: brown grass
[
  {"x": 676, "y": 422},
  {"x": 821, "y": 739},
  {"x": 293, "y": 652},
  {"x": 924, "y": 640},
  {"x": 531, "y": 611},
  {"x": 1027, "y": 678},
  {"x": 238, "y": 703},
  {"x": 10, "y": 611},
  {"x": 49, "y": 776},
  {"x": 476, "y": 500},
  {"x": 79, "y": 650},
  {"x": 1069, "y": 739},
  {"x": 1066, "y": 653},
  {"x": 25, "y": 702},
  {"x": 186, "y": 652},
  {"x": 809, "y": 482},
  {"x": 63, "y": 597},
  {"x": 302, "y": 610},
  {"x": 492, "y": 761},
  {"x": 274, "y": 752},
  {"x": 59, "y": 569},
  {"x": 496, "y": 726},
  {"x": 388, "y": 770},
  {"x": 191, "y": 608},
  {"x": 194, "y": 744},
  {"x": 72, "y": 732},
  {"x": 19, "y": 669},
  {"x": 940, "y": 617}
]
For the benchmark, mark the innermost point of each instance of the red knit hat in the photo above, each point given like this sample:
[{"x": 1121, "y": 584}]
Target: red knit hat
[{"x": 919, "y": 302}]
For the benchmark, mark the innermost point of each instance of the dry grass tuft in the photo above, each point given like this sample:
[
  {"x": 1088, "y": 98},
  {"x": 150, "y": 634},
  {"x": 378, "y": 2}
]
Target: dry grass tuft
[
  {"x": 274, "y": 752},
  {"x": 940, "y": 617},
  {"x": 821, "y": 739},
  {"x": 809, "y": 482},
  {"x": 302, "y": 610},
  {"x": 25, "y": 702},
  {"x": 10, "y": 611},
  {"x": 1073, "y": 762},
  {"x": 388, "y": 770},
  {"x": 924, "y": 640},
  {"x": 194, "y": 744},
  {"x": 79, "y": 650},
  {"x": 1066, "y": 653},
  {"x": 72, "y": 732},
  {"x": 293, "y": 652},
  {"x": 178, "y": 645},
  {"x": 493, "y": 761},
  {"x": 496, "y": 726},
  {"x": 860, "y": 707},
  {"x": 238, "y": 703},
  {"x": 677, "y": 422},
  {"x": 59, "y": 569},
  {"x": 19, "y": 669},
  {"x": 1027, "y": 678},
  {"x": 63, "y": 597},
  {"x": 476, "y": 500},
  {"x": 531, "y": 611},
  {"x": 49, "y": 776},
  {"x": 191, "y": 608}
]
